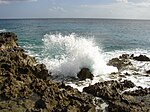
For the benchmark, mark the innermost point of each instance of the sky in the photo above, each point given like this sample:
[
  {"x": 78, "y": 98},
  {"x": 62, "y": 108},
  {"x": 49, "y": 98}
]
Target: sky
[{"x": 117, "y": 9}]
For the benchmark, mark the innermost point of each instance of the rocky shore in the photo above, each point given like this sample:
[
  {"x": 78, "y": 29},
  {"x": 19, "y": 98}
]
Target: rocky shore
[
  {"x": 27, "y": 86},
  {"x": 119, "y": 101}
]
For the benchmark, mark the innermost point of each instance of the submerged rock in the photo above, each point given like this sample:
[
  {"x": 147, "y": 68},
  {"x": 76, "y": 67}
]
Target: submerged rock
[
  {"x": 25, "y": 87},
  {"x": 85, "y": 73}
]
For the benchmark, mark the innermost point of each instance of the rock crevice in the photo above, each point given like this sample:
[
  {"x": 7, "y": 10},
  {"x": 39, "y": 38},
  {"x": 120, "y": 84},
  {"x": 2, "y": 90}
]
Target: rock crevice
[{"x": 25, "y": 86}]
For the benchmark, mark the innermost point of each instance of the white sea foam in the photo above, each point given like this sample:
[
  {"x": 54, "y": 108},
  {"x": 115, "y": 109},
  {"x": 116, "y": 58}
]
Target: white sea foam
[
  {"x": 138, "y": 75},
  {"x": 67, "y": 54},
  {"x": 2, "y": 30},
  {"x": 117, "y": 53}
]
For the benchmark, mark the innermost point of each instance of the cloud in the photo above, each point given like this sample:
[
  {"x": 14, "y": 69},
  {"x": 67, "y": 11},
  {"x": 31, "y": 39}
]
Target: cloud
[
  {"x": 121, "y": 9},
  {"x": 8, "y": 1},
  {"x": 3, "y": 2},
  {"x": 57, "y": 9},
  {"x": 16, "y": 0},
  {"x": 142, "y": 4},
  {"x": 123, "y": 1},
  {"x": 138, "y": 3}
]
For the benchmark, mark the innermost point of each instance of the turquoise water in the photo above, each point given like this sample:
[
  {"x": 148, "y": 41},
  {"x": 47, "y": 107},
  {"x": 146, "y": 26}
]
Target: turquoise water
[
  {"x": 71, "y": 44},
  {"x": 110, "y": 34}
]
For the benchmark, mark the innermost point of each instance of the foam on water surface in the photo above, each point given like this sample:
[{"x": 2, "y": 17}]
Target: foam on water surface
[
  {"x": 138, "y": 76},
  {"x": 3, "y": 30}
]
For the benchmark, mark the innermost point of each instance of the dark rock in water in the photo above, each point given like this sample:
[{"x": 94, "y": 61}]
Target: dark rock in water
[
  {"x": 119, "y": 101},
  {"x": 127, "y": 74},
  {"x": 25, "y": 87},
  {"x": 132, "y": 55},
  {"x": 121, "y": 62},
  {"x": 148, "y": 71},
  {"x": 141, "y": 58},
  {"x": 124, "y": 56},
  {"x": 85, "y": 74}
]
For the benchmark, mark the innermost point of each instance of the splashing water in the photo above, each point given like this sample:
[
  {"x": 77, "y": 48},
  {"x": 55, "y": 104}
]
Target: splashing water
[{"x": 67, "y": 54}]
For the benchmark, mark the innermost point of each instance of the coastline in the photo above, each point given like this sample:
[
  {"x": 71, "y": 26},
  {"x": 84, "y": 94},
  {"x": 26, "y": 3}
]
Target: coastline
[{"x": 27, "y": 86}]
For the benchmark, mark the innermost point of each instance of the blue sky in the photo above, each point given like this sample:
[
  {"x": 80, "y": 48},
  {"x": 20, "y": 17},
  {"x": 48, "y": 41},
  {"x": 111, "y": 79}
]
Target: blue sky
[{"x": 122, "y": 9}]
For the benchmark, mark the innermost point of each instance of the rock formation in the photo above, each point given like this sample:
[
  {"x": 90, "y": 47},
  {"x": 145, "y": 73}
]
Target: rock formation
[
  {"x": 119, "y": 101},
  {"x": 85, "y": 73},
  {"x": 121, "y": 62},
  {"x": 141, "y": 58},
  {"x": 25, "y": 86}
]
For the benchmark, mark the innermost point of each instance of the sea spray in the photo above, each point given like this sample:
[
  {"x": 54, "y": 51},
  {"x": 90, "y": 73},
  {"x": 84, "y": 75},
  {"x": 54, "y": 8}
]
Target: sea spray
[{"x": 67, "y": 54}]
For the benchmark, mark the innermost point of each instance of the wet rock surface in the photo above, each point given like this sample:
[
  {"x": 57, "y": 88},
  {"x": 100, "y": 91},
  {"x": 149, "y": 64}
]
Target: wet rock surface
[
  {"x": 85, "y": 73},
  {"x": 25, "y": 85},
  {"x": 119, "y": 101},
  {"x": 121, "y": 62},
  {"x": 141, "y": 58},
  {"x": 108, "y": 90}
]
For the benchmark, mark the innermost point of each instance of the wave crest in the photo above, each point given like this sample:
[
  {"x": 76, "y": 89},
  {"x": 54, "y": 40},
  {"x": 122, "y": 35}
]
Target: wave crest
[{"x": 67, "y": 54}]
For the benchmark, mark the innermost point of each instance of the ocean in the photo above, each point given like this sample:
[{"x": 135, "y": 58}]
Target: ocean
[{"x": 67, "y": 45}]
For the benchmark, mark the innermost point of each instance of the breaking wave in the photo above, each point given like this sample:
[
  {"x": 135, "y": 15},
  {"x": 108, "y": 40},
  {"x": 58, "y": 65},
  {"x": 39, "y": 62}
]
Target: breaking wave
[{"x": 67, "y": 54}]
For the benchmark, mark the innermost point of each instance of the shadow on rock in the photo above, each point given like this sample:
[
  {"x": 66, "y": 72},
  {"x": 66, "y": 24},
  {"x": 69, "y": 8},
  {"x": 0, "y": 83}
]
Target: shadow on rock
[
  {"x": 119, "y": 101},
  {"x": 25, "y": 87}
]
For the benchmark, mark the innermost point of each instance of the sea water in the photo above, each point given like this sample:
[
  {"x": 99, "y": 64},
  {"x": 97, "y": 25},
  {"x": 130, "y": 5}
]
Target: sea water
[{"x": 67, "y": 45}]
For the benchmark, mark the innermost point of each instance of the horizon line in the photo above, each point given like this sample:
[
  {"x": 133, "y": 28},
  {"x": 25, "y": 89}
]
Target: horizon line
[{"x": 36, "y": 18}]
